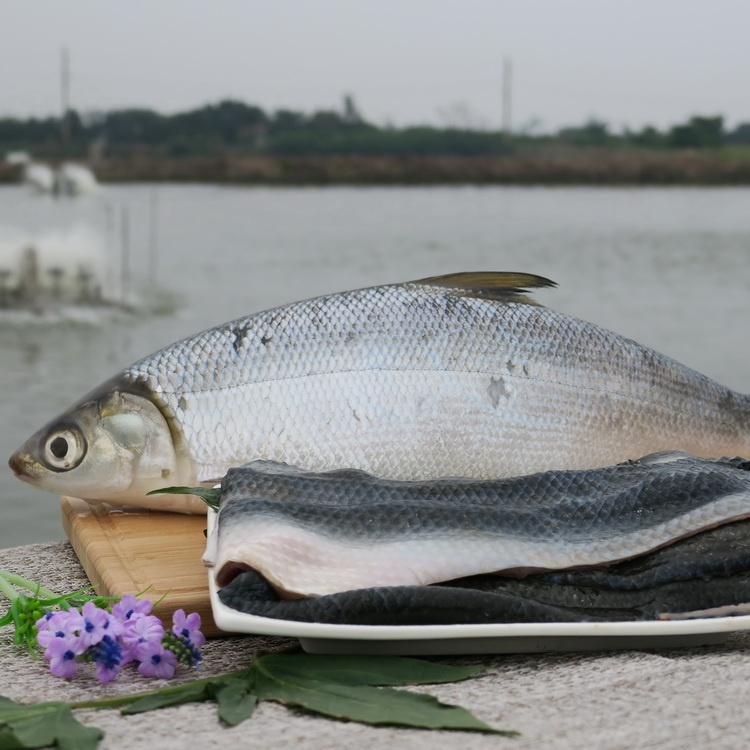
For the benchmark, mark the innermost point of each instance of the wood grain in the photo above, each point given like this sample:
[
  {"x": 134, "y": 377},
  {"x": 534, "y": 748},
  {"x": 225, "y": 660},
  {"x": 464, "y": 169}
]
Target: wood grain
[{"x": 127, "y": 552}]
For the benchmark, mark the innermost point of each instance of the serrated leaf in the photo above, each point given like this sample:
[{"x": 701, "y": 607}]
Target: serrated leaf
[
  {"x": 50, "y": 724},
  {"x": 210, "y": 495},
  {"x": 364, "y": 670},
  {"x": 368, "y": 704},
  {"x": 236, "y": 701}
]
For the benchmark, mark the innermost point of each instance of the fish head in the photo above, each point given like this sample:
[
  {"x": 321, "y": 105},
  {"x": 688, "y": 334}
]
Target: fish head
[{"x": 115, "y": 445}]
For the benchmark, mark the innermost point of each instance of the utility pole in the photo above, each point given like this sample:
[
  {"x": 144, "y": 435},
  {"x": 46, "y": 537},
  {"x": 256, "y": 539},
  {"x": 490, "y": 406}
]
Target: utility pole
[
  {"x": 124, "y": 254},
  {"x": 65, "y": 96},
  {"x": 507, "y": 95},
  {"x": 153, "y": 236}
]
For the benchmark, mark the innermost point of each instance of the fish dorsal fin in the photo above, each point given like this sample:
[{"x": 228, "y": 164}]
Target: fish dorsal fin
[{"x": 507, "y": 287}]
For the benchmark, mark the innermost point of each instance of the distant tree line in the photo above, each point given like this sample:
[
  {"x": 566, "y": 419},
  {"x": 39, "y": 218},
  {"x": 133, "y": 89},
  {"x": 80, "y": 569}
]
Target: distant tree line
[
  {"x": 233, "y": 127},
  {"x": 697, "y": 132}
]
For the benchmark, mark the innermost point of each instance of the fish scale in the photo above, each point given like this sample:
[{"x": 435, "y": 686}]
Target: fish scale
[{"x": 461, "y": 375}]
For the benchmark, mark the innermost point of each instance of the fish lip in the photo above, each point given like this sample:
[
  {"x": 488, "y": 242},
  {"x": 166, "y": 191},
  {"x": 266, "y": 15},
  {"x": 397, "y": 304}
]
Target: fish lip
[{"x": 18, "y": 463}]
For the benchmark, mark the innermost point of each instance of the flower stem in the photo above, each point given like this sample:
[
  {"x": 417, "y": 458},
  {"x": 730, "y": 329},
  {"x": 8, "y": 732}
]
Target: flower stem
[
  {"x": 124, "y": 700},
  {"x": 36, "y": 588},
  {"x": 7, "y": 589}
]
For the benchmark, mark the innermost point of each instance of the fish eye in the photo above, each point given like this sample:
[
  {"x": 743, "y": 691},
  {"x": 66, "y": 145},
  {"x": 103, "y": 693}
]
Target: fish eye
[{"x": 64, "y": 448}]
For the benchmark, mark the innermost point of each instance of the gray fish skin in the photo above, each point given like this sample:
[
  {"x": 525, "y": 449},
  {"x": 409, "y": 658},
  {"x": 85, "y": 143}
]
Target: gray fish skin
[
  {"x": 719, "y": 553},
  {"x": 686, "y": 577},
  {"x": 251, "y": 594},
  {"x": 450, "y": 376},
  {"x": 313, "y": 534}
]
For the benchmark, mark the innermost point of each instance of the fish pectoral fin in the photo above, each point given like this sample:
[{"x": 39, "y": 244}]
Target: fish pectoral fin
[{"x": 506, "y": 287}]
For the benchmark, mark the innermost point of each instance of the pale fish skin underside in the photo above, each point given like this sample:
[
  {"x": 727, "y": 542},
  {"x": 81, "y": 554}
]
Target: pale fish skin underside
[
  {"x": 315, "y": 534},
  {"x": 705, "y": 575},
  {"x": 453, "y": 376}
]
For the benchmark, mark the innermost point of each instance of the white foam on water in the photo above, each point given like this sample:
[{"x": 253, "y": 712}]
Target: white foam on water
[{"x": 68, "y": 261}]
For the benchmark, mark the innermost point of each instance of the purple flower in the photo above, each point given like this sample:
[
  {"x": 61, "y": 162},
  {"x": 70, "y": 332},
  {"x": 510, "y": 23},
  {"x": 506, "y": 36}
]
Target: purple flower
[
  {"x": 188, "y": 627},
  {"x": 130, "y": 633},
  {"x": 97, "y": 623},
  {"x": 158, "y": 662},
  {"x": 185, "y": 639},
  {"x": 108, "y": 656},
  {"x": 63, "y": 624},
  {"x": 41, "y": 623},
  {"x": 137, "y": 635},
  {"x": 130, "y": 608},
  {"x": 62, "y": 656}
]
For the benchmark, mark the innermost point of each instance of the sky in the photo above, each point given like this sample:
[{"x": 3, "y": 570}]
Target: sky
[{"x": 405, "y": 62}]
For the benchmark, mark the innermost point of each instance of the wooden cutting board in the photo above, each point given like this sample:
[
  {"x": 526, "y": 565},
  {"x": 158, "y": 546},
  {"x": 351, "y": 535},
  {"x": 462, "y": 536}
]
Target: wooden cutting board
[{"x": 127, "y": 552}]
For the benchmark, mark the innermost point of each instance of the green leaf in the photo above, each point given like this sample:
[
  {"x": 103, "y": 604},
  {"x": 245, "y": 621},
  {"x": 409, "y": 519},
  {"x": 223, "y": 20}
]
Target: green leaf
[
  {"x": 210, "y": 495},
  {"x": 372, "y": 705},
  {"x": 233, "y": 694},
  {"x": 363, "y": 670},
  {"x": 175, "y": 696},
  {"x": 49, "y": 724},
  {"x": 236, "y": 701},
  {"x": 353, "y": 688}
]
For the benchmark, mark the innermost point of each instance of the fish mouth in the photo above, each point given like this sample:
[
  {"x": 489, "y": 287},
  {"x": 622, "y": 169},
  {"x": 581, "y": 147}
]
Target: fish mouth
[{"x": 19, "y": 464}]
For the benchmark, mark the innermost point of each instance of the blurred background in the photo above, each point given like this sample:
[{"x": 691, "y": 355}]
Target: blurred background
[{"x": 165, "y": 167}]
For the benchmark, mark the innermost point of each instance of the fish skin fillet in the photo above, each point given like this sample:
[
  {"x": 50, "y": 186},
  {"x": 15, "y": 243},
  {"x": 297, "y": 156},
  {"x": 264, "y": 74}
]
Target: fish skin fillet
[
  {"x": 707, "y": 575},
  {"x": 316, "y": 534}
]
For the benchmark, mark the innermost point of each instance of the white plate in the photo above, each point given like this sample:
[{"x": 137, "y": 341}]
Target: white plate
[{"x": 477, "y": 639}]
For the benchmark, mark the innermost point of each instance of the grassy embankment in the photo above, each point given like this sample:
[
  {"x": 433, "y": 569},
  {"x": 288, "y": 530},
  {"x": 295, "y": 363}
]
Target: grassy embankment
[{"x": 727, "y": 166}]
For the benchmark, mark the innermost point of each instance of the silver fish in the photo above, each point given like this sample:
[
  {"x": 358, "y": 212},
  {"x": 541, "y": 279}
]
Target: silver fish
[
  {"x": 316, "y": 534},
  {"x": 459, "y": 375}
]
